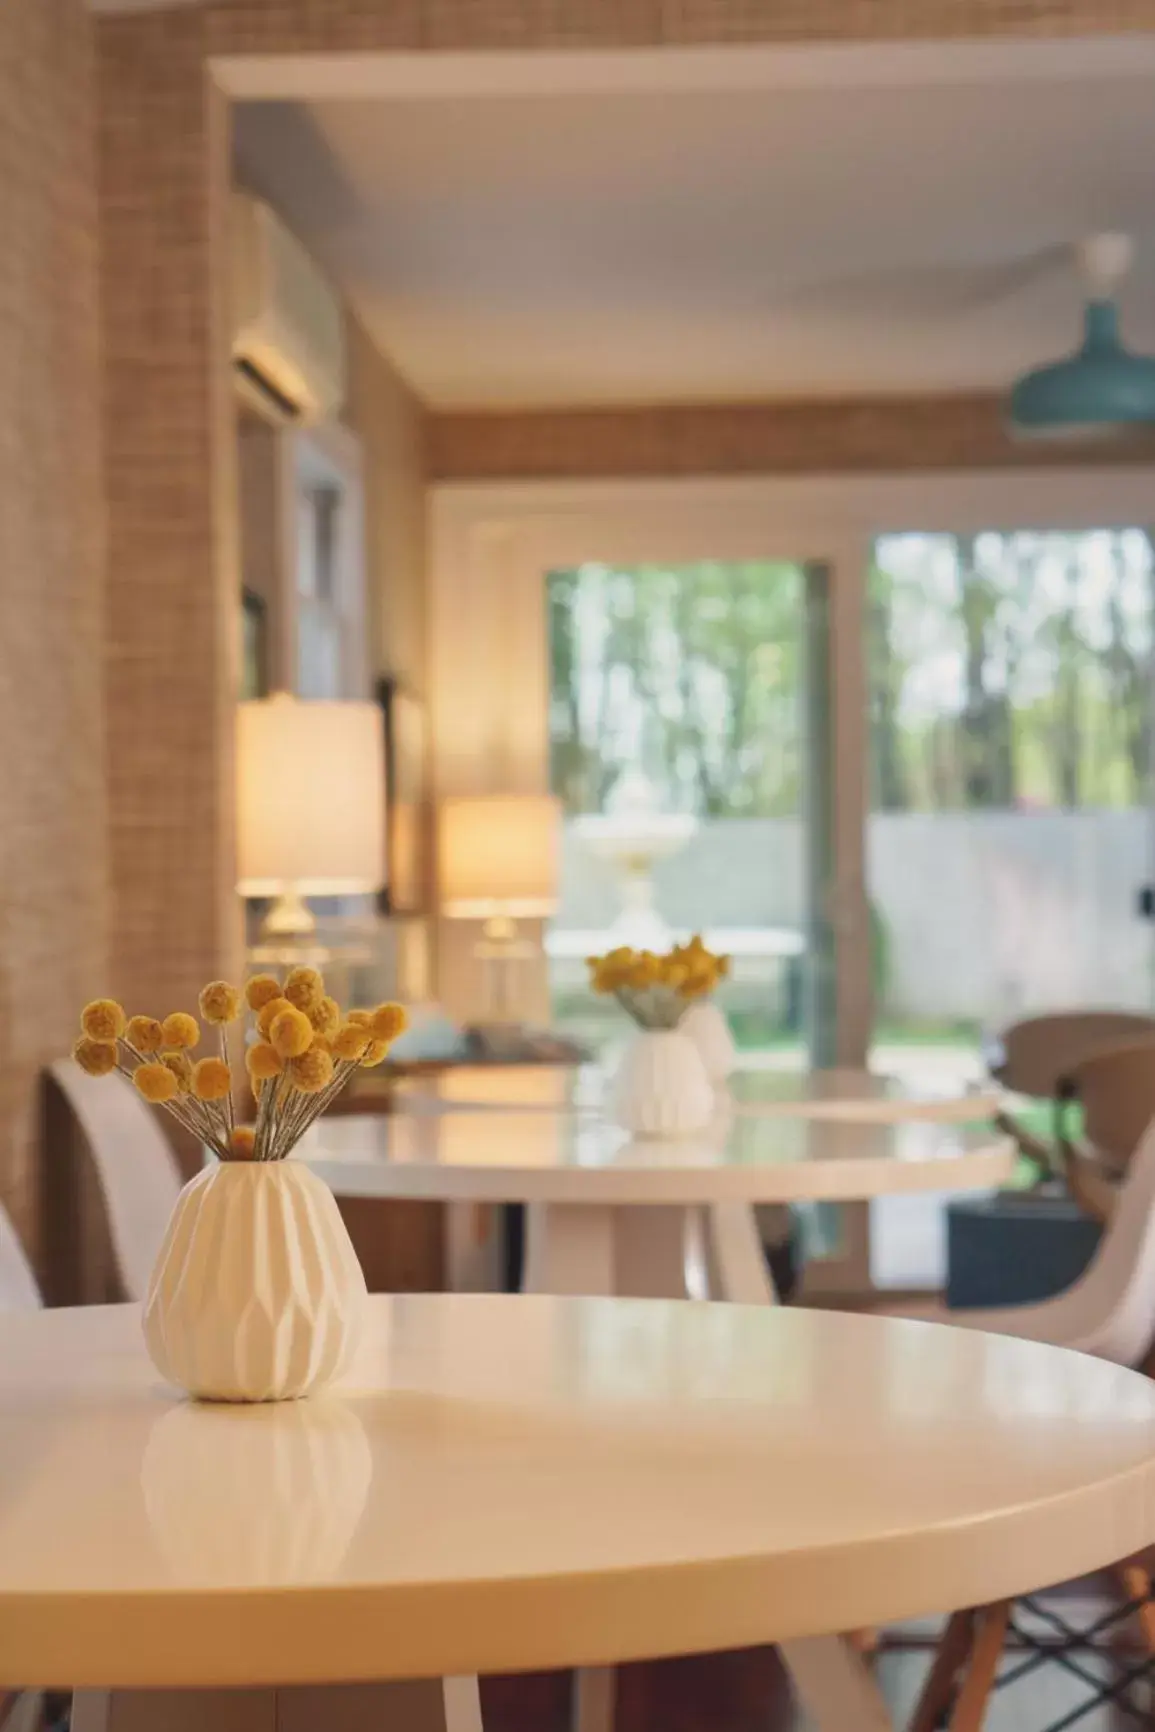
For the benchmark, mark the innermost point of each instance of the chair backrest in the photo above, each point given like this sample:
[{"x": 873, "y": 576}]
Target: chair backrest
[
  {"x": 1112, "y": 1307},
  {"x": 1116, "y": 1089},
  {"x": 18, "y": 1289},
  {"x": 1033, "y": 1056},
  {"x": 136, "y": 1168}
]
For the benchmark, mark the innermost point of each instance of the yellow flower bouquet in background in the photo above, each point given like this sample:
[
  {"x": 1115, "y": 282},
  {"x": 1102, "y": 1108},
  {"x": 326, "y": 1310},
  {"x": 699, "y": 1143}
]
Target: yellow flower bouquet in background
[
  {"x": 656, "y": 991},
  {"x": 300, "y": 1051},
  {"x": 663, "y": 1086},
  {"x": 256, "y": 1294}
]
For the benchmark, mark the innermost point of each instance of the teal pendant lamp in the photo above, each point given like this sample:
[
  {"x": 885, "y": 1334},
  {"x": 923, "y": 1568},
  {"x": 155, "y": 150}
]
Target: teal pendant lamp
[{"x": 1103, "y": 388}]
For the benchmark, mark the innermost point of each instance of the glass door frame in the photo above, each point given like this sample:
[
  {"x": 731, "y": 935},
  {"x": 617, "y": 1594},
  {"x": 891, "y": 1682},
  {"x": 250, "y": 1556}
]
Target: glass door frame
[{"x": 490, "y": 547}]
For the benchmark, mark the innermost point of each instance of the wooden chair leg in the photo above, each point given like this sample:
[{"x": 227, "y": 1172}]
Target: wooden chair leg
[
  {"x": 1136, "y": 1583},
  {"x": 986, "y": 1652},
  {"x": 935, "y": 1695}
]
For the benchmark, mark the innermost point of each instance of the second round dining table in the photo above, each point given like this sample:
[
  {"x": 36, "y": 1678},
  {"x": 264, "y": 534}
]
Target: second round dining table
[
  {"x": 646, "y": 1217},
  {"x": 860, "y": 1096}
]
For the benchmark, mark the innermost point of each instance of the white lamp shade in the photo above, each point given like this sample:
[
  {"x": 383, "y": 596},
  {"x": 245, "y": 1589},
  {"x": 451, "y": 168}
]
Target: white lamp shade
[
  {"x": 310, "y": 798},
  {"x": 497, "y": 855}
]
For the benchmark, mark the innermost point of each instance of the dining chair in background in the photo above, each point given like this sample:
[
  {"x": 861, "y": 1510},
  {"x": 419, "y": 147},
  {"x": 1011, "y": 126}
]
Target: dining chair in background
[
  {"x": 1036, "y": 1056},
  {"x": 20, "y": 1710},
  {"x": 135, "y": 1168}
]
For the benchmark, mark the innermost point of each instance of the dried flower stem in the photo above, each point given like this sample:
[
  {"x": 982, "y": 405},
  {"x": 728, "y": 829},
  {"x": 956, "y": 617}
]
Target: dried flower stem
[
  {"x": 228, "y": 1110},
  {"x": 191, "y": 1114}
]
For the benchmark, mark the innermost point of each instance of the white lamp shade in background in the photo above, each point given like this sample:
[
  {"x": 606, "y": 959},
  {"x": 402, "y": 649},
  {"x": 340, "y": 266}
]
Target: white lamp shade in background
[
  {"x": 497, "y": 855},
  {"x": 310, "y": 797}
]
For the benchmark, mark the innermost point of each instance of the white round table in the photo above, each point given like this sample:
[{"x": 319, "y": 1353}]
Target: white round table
[
  {"x": 646, "y": 1218},
  {"x": 507, "y": 1484},
  {"x": 854, "y": 1095}
]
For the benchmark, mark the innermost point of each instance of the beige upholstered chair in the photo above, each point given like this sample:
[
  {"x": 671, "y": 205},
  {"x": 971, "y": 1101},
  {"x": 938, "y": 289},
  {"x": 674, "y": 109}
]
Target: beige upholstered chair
[
  {"x": 137, "y": 1171},
  {"x": 20, "y": 1711},
  {"x": 18, "y": 1289}
]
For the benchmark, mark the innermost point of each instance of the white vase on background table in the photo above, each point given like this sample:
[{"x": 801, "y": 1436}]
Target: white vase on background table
[
  {"x": 707, "y": 1027},
  {"x": 257, "y": 1294},
  {"x": 661, "y": 1088}
]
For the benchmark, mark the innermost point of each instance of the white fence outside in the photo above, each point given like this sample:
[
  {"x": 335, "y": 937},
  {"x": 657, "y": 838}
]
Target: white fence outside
[{"x": 985, "y": 915}]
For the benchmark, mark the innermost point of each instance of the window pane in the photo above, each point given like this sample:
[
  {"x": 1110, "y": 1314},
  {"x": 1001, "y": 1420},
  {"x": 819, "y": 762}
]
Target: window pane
[
  {"x": 1011, "y": 751},
  {"x": 675, "y": 746}
]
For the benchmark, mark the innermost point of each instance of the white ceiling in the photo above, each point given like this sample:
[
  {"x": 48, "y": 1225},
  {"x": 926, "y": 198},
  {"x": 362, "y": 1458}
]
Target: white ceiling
[{"x": 716, "y": 243}]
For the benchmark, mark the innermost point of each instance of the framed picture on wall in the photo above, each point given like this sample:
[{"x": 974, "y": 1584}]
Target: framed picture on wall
[
  {"x": 254, "y": 646},
  {"x": 406, "y": 800}
]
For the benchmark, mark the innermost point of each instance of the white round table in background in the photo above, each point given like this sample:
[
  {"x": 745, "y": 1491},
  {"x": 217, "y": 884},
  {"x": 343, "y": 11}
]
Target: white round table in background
[
  {"x": 506, "y": 1484},
  {"x": 853, "y": 1095},
  {"x": 647, "y": 1218}
]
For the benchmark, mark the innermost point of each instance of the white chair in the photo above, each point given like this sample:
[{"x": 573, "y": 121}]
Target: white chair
[
  {"x": 1110, "y": 1310},
  {"x": 18, "y": 1289},
  {"x": 137, "y": 1171},
  {"x": 19, "y": 1710}
]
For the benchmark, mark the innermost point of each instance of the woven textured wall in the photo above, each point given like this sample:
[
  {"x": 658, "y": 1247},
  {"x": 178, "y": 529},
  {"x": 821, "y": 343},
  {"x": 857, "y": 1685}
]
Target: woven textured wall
[
  {"x": 287, "y": 26},
  {"x": 879, "y": 436},
  {"x": 52, "y": 859},
  {"x": 170, "y": 460}
]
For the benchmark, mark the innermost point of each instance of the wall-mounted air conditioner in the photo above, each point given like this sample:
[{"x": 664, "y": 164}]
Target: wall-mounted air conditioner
[{"x": 288, "y": 325}]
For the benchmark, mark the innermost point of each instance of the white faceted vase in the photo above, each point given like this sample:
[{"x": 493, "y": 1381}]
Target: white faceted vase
[
  {"x": 257, "y": 1294},
  {"x": 661, "y": 1088},
  {"x": 706, "y": 1026}
]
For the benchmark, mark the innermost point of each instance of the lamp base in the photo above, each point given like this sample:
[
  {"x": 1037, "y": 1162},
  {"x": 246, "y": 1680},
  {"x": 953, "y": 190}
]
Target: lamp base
[
  {"x": 289, "y": 917},
  {"x": 500, "y": 948}
]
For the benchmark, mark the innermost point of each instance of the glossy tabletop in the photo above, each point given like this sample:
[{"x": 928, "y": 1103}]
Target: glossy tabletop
[
  {"x": 834, "y": 1094},
  {"x": 506, "y": 1484},
  {"x": 566, "y": 1157}
]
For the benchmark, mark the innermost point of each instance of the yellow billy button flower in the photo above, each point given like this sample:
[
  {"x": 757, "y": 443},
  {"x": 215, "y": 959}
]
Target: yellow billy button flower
[
  {"x": 144, "y": 1034},
  {"x": 95, "y": 1057},
  {"x": 291, "y": 1033},
  {"x": 180, "y": 1029},
  {"x": 243, "y": 1143},
  {"x": 644, "y": 972},
  {"x": 220, "y": 1002},
  {"x": 261, "y": 990},
  {"x": 263, "y": 1061},
  {"x": 268, "y": 1014},
  {"x": 312, "y": 1071},
  {"x": 212, "y": 1079},
  {"x": 349, "y": 1043},
  {"x": 325, "y": 1016},
  {"x": 181, "y": 1066},
  {"x": 103, "y": 1019},
  {"x": 304, "y": 988},
  {"x": 156, "y": 1083},
  {"x": 374, "y": 1053},
  {"x": 388, "y": 1022},
  {"x": 360, "y": 1018}
]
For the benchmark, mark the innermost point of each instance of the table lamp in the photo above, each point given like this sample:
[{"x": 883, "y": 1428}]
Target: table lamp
[
  {"x": 497, "y": 862},
  {"x": 310, "y": 805}
]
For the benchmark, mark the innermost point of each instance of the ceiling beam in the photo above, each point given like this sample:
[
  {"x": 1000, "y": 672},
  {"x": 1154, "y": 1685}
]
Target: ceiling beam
[{"x": 881, "y": 435}]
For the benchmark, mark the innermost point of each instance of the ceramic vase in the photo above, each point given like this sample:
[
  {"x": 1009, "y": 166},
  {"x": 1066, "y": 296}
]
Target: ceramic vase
[
  {"x": 257, "y": 1294},
  {"x": 705, "y": 1025},
  {"x": 661, "y": 1088}
]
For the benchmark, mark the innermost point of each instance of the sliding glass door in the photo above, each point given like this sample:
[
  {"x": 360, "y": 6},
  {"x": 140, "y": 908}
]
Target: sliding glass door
[
  {"x": 688, "y": 726},
  {"x": 1009, "y": 838}
]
